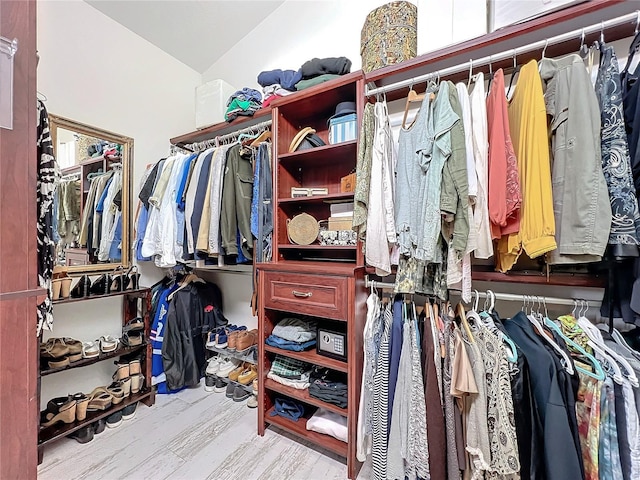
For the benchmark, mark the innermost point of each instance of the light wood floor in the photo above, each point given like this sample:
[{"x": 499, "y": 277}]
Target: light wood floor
[{"x": 191, "y": 435}]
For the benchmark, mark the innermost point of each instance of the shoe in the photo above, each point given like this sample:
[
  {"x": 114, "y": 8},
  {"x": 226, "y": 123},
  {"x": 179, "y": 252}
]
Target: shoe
[
  {"x": 54, "y": 348},
  {"x": 246, "y": 340},
  {"x": 118, "y": 280},
  {"x": 229, "y": 391},
  {"x": 135, "y": 367},
  {"x": 101, "y": 286},
  {"x": 240, "y": 394},
  {"x": 90, "y": 350},
  {"x": 137, "y": 383},
  {"x": 65, "y": 287},
  {"x": 117, "y": 393},
  {"x": 209, "y": 383},
  {"x": 252, "y": 402},
  {"x": 75, "y": 349},
  {"x": 60, "y": 409},
  {"x": 59, "y": 363},
  {"x": 122, "y": 372},
  {"x": 211, "y": 339},
  {"x": 108, "y": 343},
  {"x": 134, "y": 325},
  {"x": 227, "y": 366},
  {"x": 132, "y": 339},
  {"x": 255, "y": 386},
  {"x": 232, "y": 340},
  {"x": 248, "y": 376},
  {"x": 99, "y": 399},
  {"x": 99, "y": 426},
  {"x": 115, "y": 419},
  {"x": 83, "y": 435},
  {"x": 133, "y": 278},
  {"x": 233, "y": 375},
  {"x": 213, "y": 365},
  {"x": 129, "y": 411},
  {"x": 82, "y": 287},
  {"x": 222, "y": 341},
  {"x": 125, "y": 385},
  {"x": 56, "y": 287},
  {"x": 221, "y": 385},
  {"x": 82, "y": 402}
]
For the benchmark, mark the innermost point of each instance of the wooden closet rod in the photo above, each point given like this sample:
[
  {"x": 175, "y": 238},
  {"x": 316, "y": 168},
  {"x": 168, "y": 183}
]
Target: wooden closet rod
[
  {"x": 507, "y": 297},
  {"x": 542, "y": 44}
]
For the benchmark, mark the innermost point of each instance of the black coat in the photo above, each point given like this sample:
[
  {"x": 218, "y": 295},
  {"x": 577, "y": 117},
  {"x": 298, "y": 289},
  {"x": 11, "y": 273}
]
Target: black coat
[{"x": 193, "y": 311}]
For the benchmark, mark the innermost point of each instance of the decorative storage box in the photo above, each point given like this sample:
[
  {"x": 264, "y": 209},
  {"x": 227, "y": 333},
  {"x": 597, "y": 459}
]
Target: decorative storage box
[
  {"x": 389, "y": 35},
  {"x": 342, "y": 129},
  {"x": 341, "y": 238}
]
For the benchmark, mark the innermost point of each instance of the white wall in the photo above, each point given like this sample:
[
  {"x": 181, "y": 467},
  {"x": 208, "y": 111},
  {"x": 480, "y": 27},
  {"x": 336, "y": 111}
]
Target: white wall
[
  {"x": 97, "y": 72},
  {"x": 300, "y": 30}
]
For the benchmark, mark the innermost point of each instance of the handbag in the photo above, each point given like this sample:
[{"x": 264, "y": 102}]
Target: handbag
[{"x": 305, "y": 139}]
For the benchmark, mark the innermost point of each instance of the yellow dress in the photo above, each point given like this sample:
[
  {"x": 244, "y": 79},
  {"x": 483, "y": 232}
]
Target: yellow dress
[{"x": 528, "y": 125}]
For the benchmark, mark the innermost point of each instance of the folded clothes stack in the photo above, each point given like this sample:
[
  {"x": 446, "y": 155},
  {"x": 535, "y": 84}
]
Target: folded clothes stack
[
  {"x": 287, "y": 408},
  {"x": 319, "y": 70},
  {"x": 278, "y": 83},
  {"x": 290, "y": 372},
  {"x": 329, "y": 386},
  {"x": 293, "y": 334},
  {"x": 329, "y": 423},
  {"x": 244, "y": 102}
]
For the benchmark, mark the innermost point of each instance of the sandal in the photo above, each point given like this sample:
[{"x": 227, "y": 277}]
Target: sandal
[
  {"x": 135, "y": 367},
  {"x": 82, "y": 402},
  {"x": 60, "y": 409},
  {"x": 59, "y": 363},
  {"x": 54, "y": 348},
  {"x": 75, "y": 349},
  {"x": 81, "y": 288},
  {"x": 117, "y": 393},
  {"x": 125, "y": 385},
  {"x": 101, "y": 286},
  {"x": 108, "y": 343},
  {"x": 99, "y": 399},
  {"x": 137, "y": 383},
  {"x": 90, "y": 350},
  {"x": 134, "y": 325},
  {"x": 133, "y": 278},
  {"x": 132, "y": 339},
  {"x": 118, "y": 279},
  {"x": 122, "y": 372}
]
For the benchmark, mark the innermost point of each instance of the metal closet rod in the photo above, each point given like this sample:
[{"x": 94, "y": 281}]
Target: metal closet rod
[
  {"x": 217, "y": 140},
  {"x": 507, "y": 297},
  {"x": 514, "y": 52}
]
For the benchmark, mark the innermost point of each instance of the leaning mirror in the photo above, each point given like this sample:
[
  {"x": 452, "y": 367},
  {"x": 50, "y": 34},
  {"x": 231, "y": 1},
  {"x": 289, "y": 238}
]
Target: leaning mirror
[{"x": 91, "y": 219}]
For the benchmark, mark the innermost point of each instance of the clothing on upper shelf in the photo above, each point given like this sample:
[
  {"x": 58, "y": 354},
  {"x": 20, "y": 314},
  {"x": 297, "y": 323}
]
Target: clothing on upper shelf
[
  {"x": 287, "y": 79},
  {"x": 199, "y": 206},
  {"x": 323, "y": 66}
]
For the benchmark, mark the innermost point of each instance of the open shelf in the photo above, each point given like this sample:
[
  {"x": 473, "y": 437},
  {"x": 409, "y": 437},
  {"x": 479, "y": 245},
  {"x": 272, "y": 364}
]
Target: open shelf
[
  {"x": 89, "y": 361},
  {"x": 320, "y": 156},
  {"x": 312, "y": 357},
  {"x": 245, "y": 356},
  {"x": 94, "y": 297},
  {"x": 303, "y": 396},
  {"x": 54, "y": 432},
  {"x": 331, "y": 198},
  {"x": 299, "y": 428}
]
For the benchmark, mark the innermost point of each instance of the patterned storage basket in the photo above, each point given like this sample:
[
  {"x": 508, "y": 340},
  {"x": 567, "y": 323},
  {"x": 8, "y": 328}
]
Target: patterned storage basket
[{"x": 389, "y": 35}]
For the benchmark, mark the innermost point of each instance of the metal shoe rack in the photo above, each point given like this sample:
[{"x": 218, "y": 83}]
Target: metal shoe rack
[{"x": 248, "y": 356}]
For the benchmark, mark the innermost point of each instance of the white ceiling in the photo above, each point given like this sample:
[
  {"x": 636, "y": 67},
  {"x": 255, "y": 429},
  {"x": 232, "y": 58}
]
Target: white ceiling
[{"x": 196, "y": 32}]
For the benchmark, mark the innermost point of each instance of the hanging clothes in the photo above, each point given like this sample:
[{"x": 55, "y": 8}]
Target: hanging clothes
[
  {"x": 528, "y": 127},
  {"x": 215, "y": 239},
  {"x": 47, "y": 176},
  {"x": 380, "y": 435},
  {"x": 363, "y": 173}
]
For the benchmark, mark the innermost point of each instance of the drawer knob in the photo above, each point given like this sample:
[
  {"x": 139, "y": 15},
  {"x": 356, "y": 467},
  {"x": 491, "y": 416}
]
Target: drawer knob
[{"x": 301, "y": 294}]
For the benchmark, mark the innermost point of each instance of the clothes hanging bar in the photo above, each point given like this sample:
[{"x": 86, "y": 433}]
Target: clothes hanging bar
[
  {"x": 507, "y": 297},
  {"x": 507, "y": 54},
  {"x": 199, "y": 146}
]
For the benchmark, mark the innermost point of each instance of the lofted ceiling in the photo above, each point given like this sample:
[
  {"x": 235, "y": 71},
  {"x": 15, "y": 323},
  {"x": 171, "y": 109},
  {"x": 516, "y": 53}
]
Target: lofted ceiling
[{"x": 196, "y": 32}]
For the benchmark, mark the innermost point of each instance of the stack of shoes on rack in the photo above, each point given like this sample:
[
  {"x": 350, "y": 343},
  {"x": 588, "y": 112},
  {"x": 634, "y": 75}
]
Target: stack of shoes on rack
[
  {"x": 218, "y": 369},
  {"x": 240, "y": 379},
  {"x": 293, "y": 334},
  {"x": 329, "y": 386},
  {"x": 224, "y": 337},
  {"x": 60, "y": 283},
  {"x": 290, "y": 372},
  {"x": 60, "y": 352},
  {"x": 133, "y": 333},
  {"x": 119, "y": 280}
]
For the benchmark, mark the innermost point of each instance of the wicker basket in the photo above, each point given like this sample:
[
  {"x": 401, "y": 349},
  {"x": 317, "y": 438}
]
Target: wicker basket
[
  {"x": 302, "y": 229},
  {"x": 389, "y": 35}
]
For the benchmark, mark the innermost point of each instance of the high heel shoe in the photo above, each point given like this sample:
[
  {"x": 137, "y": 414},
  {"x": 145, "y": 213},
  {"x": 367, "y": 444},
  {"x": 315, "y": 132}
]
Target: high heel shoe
[
  {"x": 82, "y": 402},
  {"x": 81, "y": 288},
  {"x": 133, "y": 278},
  {"x": 65, "y": 287},
  {"x": 101, "y": 286},
  {"x": 56, "y": 286},
  {"x": 61, "y": 409},
  {"x": 118, "y": 280}
]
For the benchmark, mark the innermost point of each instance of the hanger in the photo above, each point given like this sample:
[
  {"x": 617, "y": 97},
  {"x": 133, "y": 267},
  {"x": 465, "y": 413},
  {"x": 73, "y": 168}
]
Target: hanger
[
  {"x": 620, "y": 340},
  {"x": 470, "y": 73},
  {"x": 263, "y": 137},
  {"x": 412, "y": 97},
  {"x": 42, "y": 97},
  {"x": 463, "y": 318},
  {"x": 188, "y": 278},
  {"x": 514, "y": 73}
]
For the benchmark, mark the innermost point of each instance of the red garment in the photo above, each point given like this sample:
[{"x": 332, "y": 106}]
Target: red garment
[
  {"x": 505, "y": 197},
  {"x": 269, "y": 99}
]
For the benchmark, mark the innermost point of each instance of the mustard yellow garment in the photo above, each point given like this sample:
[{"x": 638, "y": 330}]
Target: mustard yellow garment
[{"x": 528, "y": 125}]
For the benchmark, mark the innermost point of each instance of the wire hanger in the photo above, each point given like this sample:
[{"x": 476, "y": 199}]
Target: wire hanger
[
  {"x": 583, "y": 50},
  {"x": 470, "y": 73}
]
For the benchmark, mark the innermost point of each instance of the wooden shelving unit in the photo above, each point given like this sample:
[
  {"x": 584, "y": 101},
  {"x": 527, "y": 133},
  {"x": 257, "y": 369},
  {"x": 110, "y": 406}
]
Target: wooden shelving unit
[
  {"x": 325, "y": 282},
  {"x": 133, "y": 301}
]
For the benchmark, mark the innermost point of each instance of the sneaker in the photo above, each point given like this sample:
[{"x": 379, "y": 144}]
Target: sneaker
[
  {"x": 252, "y": 402},
  {"x": 221, "y": 340},
  {"x": 227, "y": 366},
  {"x": 129, "y": 411},
  {"x": 240, "y": 394},
  {"x": 209, "y": 383},
  {"x": 213, "y": 364},
  {"x": 83, "y": 435},
  {"x": 255, "y": 386},
  {"x": 211, "y": 339},
  {"x": 230, "y": 388},
  {"x": 99, "y": 426},
  {"x": 221, "y": 385},
  {"x": 235, "y": 373},
  {"x": 115, "y": 419}
]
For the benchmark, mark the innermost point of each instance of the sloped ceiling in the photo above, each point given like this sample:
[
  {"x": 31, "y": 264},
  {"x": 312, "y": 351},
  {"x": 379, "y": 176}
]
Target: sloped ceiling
[{"x": 196, "y": 32}]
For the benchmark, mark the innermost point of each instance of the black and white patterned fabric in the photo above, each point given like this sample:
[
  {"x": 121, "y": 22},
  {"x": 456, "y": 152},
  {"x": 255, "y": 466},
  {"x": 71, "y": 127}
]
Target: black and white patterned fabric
[{"x": 47, "y": 175}]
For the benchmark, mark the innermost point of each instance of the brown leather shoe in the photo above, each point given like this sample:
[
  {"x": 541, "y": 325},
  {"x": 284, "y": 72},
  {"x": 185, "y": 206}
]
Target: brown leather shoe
[
  {"x": 235, "y": 373},
  {"x": 232, "y": 338},
  {"x": 248, "y": 375},
  {"x": 54, "y": 348},
  {"x": 246, "y": 340}
]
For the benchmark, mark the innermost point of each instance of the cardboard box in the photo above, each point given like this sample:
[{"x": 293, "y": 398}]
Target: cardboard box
[{"x": 340, "y": 223}]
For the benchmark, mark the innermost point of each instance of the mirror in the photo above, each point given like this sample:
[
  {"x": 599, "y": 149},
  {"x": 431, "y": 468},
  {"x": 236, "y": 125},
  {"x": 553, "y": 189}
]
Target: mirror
[{"x": 92, "y": 211}]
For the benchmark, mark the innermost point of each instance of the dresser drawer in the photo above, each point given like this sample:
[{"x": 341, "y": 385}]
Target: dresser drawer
[{"x": 317, "y": 295}]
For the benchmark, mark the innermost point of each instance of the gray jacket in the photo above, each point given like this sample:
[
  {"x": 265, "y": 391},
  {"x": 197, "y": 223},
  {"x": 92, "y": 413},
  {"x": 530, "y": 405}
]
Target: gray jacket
[{"x": 580, "y": 197}]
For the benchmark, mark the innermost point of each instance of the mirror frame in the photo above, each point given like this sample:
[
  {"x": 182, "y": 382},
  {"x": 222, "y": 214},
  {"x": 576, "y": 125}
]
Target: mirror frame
[{"x": 56, "y": 122}]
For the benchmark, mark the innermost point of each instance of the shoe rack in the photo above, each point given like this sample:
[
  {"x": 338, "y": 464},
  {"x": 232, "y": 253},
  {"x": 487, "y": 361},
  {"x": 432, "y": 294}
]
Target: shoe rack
[
  {"x": 248, "y": 356},
  {"x": 133, "y": 302},
  {"x": 323, "y": 283}
]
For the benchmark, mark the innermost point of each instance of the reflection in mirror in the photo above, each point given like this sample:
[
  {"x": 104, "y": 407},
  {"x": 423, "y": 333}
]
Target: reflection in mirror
[{"x": 91, "y": 210}]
